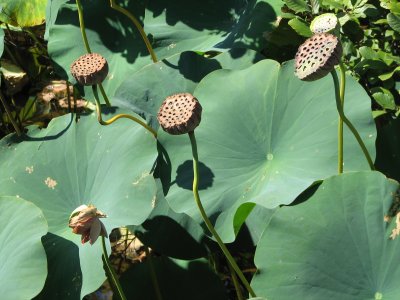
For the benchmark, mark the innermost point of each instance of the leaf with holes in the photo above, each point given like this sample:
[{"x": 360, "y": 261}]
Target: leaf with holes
[
  {"x": 265, "y": 136},
  {"x": 335, "y": 245},
  {"x": 70, "y": 164},
  {"x": 24, "y": 259}
]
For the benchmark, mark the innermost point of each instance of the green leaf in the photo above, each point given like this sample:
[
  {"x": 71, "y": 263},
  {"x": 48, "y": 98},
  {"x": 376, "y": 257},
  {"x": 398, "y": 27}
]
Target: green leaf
[
  {"x": 394, "y": 21},
  {"x": 334, "y": 246},
  {"x": 334, "y": 4},
  {"x": 265, "y": 136},
  {"x": 177, "y": 279},
  {"x": 297, "y": 5},
  {"x": 315, "y": 5},
  {"x": 73, "y": 163},
  {"x": 23, "y": 267},
  {"x": 384, "y": 98},
  {"x": 173, "y": 27},
  {"x": 23, "y": 13},
  {"x": 389, "y": 75},
  {"x": 368, "y": 53},
  {"x": 301, "y": 27},
  {"x": 144, "y": 91}
]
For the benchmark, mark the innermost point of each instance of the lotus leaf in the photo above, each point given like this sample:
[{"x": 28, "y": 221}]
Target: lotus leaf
[
  {"x": 73, "y": 163},
  {"x": 174, "y": 27},
  {"x": 265, "y": 137},
  {"x": 144, "y": 91},
  {"x": 23, "y": 256},
  {"x": 335, "y": 245}
]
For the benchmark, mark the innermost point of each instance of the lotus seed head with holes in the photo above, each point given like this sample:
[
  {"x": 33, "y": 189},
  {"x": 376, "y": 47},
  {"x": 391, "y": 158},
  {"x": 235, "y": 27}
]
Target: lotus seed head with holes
[
  {"x": 317, "y": 56},
  {"x": 325, "y": 23},
  {"x": 90, "y": 69},
  {"x": 179, "y": 114}
]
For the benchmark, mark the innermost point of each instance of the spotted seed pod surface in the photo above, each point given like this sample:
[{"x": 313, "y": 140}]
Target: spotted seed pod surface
[
  {"x": 317, "y": 56},
  {"x": 179, "y": 113},
  {"x": 324, "y": 23},
  {"x": 90, "y": 69}
]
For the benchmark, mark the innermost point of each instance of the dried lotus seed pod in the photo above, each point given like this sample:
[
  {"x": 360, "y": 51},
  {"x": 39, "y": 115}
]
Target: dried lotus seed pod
[
  {"x": 317, "y": 56},
  {"x": 90, "y": 69},
  {"x": 179, "y": 113},
  {"x": 324, "y": 23}
]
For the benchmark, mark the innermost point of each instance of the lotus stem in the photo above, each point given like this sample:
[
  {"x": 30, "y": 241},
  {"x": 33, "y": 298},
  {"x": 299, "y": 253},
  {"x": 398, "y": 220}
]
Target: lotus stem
[
  {"x": 119, "y": 116},
  {"x": 82, "y": 26},
  {"x": 236, "y": 283},
  {"x": 86, "y": 42},
  {"x": 9, "y": 114},
  {"x": 207, "y": 220},
  {"x": 340, "y": 126},
  {"x": 113, "y": 275},
  {"x": 103, "y": 93},
  {"x": 153, "y": 274},
  {"x": 138, "y": 27},
  {"x": 347, "y": 121}
]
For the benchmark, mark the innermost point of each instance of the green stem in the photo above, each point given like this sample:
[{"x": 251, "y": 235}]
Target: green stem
[
  {"x": 119, "y": 116},
  {"x": 347, "y": 121},
  {"x": 153, "y": 274},
  {"x": 207, "y": 220},
  {"x": 86, "y": 42},
  {"x": 138, "y": 27},
  {"x": 340, "y": 126},
  {"x": 236, "y": 283},
  {"x": 103, "y": 93},
  {"x": 114, "y": 277},
  {"x": 82, "y": 26},
  {"x": 9, "y": 114}
]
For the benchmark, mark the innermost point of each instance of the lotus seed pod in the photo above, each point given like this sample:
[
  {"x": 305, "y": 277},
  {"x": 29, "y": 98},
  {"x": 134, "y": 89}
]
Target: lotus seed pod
[
  {"x": 90, "y": 69},
  {"x": 325, "y": 23},
  {"x": 317, "y": 56},
  {"x": 179, "y": 113}
]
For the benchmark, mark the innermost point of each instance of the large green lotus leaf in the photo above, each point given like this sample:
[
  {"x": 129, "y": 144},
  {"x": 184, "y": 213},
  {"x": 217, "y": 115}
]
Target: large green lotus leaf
[
  {"x": 177, "y": 280},
  {"x": 144, "y": 91},
  {"x": 265, "y": 136},
  {"x": 173, "y": 26},
  {"x": 23, "y": 267},
  {"x": 69, "y": 164},
  {"x": 194, "y": 25},
  {"x": 23, "y": 13},
  {"x": 334, "y": 246}
]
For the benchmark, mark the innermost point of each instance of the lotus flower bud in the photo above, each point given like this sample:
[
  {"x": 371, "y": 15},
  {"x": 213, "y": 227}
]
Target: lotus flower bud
[
  {"x": 85, "y": 220},
  {"x": 317, "y": 56},
  {"x": 90, "y": 69},
  {"x": 179, "y": 113},
  {"x": 325, "y": 23}
]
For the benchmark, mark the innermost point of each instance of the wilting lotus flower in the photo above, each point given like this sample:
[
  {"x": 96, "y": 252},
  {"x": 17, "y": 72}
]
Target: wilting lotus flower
[{"x": 85, "y": 220}]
